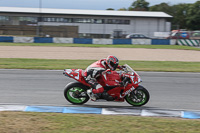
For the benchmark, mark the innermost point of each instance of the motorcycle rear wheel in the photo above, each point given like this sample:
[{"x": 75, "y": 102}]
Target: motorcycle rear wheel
[
  {"x": 140, "y": 96},
  {"x": 72, "y": 91}
]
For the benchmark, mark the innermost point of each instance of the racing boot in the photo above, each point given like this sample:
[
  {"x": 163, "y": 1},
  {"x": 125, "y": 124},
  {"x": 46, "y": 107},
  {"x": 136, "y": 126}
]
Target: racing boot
[{"x": 93, "y": 96}]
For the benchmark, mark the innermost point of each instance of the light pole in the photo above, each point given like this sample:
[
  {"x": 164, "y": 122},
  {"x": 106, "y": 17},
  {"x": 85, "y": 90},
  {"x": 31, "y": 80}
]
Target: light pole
[
  {"x": 39, "y": 18},
  {"x": 40, "y": 5}
]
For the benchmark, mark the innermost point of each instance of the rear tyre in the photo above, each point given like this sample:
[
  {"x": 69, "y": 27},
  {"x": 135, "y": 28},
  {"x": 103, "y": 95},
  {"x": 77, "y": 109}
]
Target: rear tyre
[
  {"x": 140, "y": 96},
  {"x": 75, "y": 93}
]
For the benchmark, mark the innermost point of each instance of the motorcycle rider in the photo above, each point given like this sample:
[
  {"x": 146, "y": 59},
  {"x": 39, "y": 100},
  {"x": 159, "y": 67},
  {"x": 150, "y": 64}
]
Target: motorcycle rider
[{"x": 93, "y": 71}]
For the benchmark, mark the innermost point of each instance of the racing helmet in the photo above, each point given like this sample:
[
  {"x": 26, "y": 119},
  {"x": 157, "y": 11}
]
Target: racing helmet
[{"x": 112, "y": 62}]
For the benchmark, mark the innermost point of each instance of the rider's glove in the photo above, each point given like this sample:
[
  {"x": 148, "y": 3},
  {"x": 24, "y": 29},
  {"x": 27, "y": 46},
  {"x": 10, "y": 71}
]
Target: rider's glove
[
  {"x": 121, "y": 83},
  {"x": 121, "y": 67}
]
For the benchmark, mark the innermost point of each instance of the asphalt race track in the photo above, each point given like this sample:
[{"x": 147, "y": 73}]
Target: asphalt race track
[{"x": 168, "y": 90}]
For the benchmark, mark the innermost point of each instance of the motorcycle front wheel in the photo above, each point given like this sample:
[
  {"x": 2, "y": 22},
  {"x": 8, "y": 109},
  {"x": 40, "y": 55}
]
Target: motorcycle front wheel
[
  {"x": 140, "y": 96},
  {"x": 75, "y": 93}
]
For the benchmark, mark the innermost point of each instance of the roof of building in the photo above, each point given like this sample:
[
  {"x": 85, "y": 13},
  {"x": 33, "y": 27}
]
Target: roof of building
[{"x": 85, "y": 12}]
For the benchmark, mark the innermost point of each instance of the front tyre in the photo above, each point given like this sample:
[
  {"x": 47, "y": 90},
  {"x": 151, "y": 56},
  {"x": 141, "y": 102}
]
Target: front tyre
[
  {"x": 75, "y": 93},
  {"x": 140, "y": 96}
]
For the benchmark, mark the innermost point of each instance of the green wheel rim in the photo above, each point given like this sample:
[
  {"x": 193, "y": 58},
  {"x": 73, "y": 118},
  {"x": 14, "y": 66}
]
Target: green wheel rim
[
  {"x": 138, "y": 99},
  {"x": 73, "y": 99}
]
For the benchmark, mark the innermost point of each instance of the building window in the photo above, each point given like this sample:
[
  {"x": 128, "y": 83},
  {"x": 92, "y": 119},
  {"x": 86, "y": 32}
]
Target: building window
[
  {"x": 28, "y": 19},
  {"x": 68, "y": 20},
  {"x": 59, "y": 19},
  {"x": 4, "y": 18},
  {"x": 126, "y": 21},
  {"x": 117, "y": 21},
  {"x": 109, "y": 21},
  {"x": 82, "y": 20},
  {"x": 52, "y": 19},
  {"x": 86, "y": 20},
  {"x": 98, "y": 21}
]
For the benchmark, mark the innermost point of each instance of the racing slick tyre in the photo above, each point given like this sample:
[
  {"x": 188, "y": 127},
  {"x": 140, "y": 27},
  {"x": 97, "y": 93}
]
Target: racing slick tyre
[
  {"x": 138, "y": 97},
  {"x": 75, "y": 93}
]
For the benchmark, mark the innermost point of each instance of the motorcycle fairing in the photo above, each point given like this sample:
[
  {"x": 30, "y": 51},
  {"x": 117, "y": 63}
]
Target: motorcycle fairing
[
  {"x": 121, "y": 92},
  {"x": 135, "y": 79},
  {"x": 72, "y": 73},
  {"x": 111, "y": 78},
  {"x": 76, "y": 74}
]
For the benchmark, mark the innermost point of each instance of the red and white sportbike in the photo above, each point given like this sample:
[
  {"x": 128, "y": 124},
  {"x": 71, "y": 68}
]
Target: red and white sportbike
[{"x": 118, "y": 86}]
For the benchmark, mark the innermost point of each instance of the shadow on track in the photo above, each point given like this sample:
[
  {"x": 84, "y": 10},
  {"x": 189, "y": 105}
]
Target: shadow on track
[{"x": 115, "y": 106}]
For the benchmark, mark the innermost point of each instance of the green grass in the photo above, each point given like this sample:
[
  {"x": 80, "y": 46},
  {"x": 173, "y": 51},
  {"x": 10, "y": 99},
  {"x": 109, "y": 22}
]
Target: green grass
[
  {"x": 100, "y": 45},
  {"x": 167, "y": 66},
  {"x": 26, "y": 122}
]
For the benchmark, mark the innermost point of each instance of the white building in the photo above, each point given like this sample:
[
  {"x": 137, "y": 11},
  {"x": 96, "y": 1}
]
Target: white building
[{"x": 91, "y": 23}]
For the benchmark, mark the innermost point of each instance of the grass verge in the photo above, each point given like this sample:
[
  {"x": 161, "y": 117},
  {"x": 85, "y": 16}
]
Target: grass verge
[
  {"x": 53, "y": 64},
  {"x": 26, "y": 122},
  {"x": 100, "y": 45}
]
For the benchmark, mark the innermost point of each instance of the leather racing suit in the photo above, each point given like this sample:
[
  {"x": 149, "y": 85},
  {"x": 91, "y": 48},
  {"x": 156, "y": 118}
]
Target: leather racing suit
[{"x": 93, "y": 71}]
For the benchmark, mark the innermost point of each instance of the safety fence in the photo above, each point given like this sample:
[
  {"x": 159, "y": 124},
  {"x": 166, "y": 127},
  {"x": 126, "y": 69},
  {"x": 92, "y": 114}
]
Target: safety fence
[
  {"x": 104, "y": 111},
  {"x": 185, "y": 42}
]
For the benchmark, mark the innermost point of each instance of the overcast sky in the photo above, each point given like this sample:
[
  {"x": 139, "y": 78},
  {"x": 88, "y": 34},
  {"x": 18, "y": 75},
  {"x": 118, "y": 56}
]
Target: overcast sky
[{"x": 83, "y": 4}]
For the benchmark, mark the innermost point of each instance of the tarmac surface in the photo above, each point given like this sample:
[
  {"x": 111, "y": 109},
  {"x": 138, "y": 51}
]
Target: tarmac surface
[{"x": 168, "y": 90}]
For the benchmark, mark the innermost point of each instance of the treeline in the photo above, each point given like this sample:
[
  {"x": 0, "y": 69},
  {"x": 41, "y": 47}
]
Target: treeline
[{"x": 185, "y": 16}]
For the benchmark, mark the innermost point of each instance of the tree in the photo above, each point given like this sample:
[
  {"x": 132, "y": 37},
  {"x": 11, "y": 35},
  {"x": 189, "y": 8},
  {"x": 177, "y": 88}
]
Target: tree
[
  {"x": 185, "y": 16},
  {"x": 122, "y": 9},
  {"x": 164, "y": 7},
  {"x": 110, "y": 9},
  {"x": 179, "y": 13},
  {"x": 140, "y": 5},
  {"x": 130, "y": 9},
  {"x": 193, "y": 16}
]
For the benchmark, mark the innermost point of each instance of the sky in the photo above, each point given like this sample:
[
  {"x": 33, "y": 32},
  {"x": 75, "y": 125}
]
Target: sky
[{"x": 83, "y": 4}]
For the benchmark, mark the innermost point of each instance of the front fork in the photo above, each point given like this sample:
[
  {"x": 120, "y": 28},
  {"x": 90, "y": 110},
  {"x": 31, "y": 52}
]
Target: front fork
[{"x": 128, "y": 89}]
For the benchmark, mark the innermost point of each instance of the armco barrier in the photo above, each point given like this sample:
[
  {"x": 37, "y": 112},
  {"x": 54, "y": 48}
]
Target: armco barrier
[
  {"x": 83, "y": 40},
  {"x": 102, "y": 41},
  {"x": 104, "y": 111},
  {"x": 141, "y": 41},
  {"x": 122, "y": 41},
  {"x": 185, "y": 42},
  {"x": 62, "y": 40},
  {"x": 6, "y": 39},
  {"x": 23, "y": 39},
  {"x": 43, "y": 40},
  {"x": 173, "y": 41},
  {"x": 160, "y": 42}
]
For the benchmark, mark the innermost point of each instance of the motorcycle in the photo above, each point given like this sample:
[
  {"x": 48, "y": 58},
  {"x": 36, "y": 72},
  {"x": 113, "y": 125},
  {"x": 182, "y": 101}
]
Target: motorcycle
[{"x": 118, "y": 86}]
